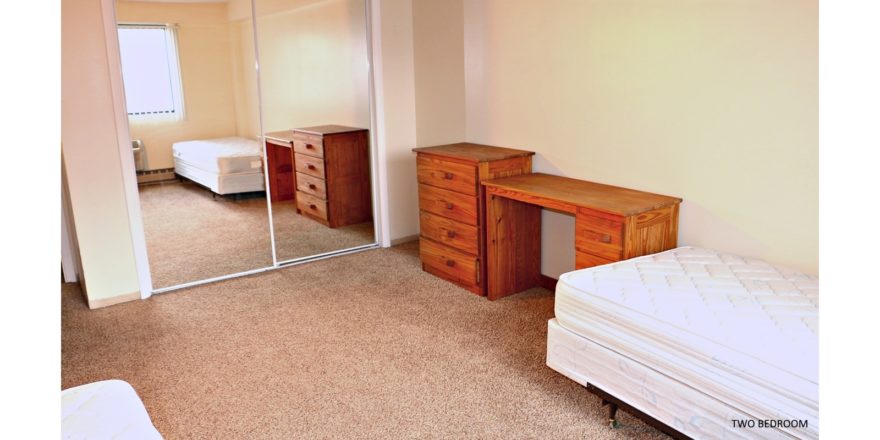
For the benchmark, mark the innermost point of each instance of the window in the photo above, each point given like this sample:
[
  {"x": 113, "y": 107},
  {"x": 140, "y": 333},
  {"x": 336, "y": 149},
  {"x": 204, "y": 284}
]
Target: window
[{"x": 150, "y": 71}]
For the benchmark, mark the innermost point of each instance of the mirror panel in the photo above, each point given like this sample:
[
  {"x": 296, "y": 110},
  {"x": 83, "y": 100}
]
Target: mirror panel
[
  {"x": 199, "y": 153},
  {"x": 315, "y": 105}
]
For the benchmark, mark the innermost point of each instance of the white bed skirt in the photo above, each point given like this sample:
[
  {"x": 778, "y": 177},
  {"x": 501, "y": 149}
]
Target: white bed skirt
[
  {"x": 678, "y": 405},
  {"x": 221, "y": 183}
]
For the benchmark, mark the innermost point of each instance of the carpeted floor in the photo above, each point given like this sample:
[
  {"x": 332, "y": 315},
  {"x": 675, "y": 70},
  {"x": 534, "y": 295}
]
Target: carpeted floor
[
  {"x": 297, "y": 236},
  {"x": 360, "y": 346},
  {"x": 192, "y": 236}
]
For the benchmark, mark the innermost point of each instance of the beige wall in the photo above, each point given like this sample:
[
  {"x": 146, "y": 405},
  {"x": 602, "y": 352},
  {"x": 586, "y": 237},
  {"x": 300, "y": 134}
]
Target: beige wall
[
  {"x": 439, "y": 69},
  {"x": 244, "y": 78},
  {"x": 91, "y": 156},
  {"x": 715, "y": 102},
  {"x": 205, "y": 48},
  {"x": 313, "y": 64},
  {"x": 397, "y": 103}
]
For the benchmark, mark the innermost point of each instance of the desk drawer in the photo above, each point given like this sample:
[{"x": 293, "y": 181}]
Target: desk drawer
[
  {"x": 599, "y": 234},
  {"x": 313, "y": 166},
  {"x": 449, "y": 263},
  {"x": 311, "y": 185},
  {"x": 449, "y": 232},
  {"x": 311, "y": 205},
  {"x": 309, "y": 147},
  {"x": 444, "y": 174},
  {"x": 583, "y": 260},
  {"x": 449, "y": 204}
]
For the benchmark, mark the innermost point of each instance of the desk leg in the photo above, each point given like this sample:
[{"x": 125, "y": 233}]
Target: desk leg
[
  {"x": 293, "y": 180},
  {"x": 513, "y": 246}
]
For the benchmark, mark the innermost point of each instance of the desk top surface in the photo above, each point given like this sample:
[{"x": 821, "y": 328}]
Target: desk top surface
[
  {"x": 283, "y": 136},
  {"x": 287, "y": 135},
  {"x": 581, "y": 193},
  {"x": 474, "y": 152}
]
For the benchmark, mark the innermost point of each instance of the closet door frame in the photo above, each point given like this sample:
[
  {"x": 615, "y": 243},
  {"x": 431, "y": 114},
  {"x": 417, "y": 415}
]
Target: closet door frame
[
  {"x": 126, "y": 158},
  {"x": 129, "y": 175}
]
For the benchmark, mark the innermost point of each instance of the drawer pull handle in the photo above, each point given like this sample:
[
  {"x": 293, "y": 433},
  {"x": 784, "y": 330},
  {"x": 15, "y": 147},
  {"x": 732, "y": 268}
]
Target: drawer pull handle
[
  {"x": 450, "y": 234},
  {"x": 312, "y": 186},
  {"x": 311, "y": 167},
  {"x": 449, "y": 205},
  {"x": 605, "y": 238},
  {"x": 310, "y": 147},
  {"x": 313, "y": 207},
  {"x": 450, "y": 263},
  {"x": 448, "y": 176}
]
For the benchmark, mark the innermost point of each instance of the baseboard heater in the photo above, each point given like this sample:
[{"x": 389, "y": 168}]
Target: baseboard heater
[{"x": 159, "y": 175}]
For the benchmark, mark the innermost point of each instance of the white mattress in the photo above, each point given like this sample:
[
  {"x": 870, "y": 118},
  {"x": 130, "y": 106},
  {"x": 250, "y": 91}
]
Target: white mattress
[
  {"x": 105, "y": 410},
  {"x": 222, "y": 156},
  {"x": 739, "y": 330}
]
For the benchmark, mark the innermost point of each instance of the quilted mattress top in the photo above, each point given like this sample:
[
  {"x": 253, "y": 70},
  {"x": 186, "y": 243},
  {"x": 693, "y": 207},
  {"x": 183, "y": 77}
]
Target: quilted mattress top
[
  {"x": 702, "y": 310},
  {"x": 223, "y": 155}
]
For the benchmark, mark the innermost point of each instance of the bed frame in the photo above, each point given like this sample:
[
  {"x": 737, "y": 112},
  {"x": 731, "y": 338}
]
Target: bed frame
[{"x": 613, "y": 404}]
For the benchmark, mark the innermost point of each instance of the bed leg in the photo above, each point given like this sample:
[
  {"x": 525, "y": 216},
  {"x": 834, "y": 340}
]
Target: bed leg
[{"x": 612, "y": 415}]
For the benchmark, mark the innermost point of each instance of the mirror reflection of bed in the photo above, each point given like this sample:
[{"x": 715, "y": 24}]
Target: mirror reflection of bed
[{"x": 200, "y": 149}]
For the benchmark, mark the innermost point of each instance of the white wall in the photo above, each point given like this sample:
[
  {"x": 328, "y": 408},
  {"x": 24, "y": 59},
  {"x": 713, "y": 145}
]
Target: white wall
[
  {"x": 715, "y": 102},
  {"x": 313, "y": 65},
  {"x": 395, "y": 78},
  {"x": 92, "y": 157},
  {"x": 438, "y": 59}
]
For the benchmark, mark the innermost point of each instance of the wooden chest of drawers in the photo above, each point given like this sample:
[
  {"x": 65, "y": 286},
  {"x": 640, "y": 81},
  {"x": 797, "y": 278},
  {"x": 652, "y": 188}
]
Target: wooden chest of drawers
[
  {"x": 451, "y": 207},
  {"x": 330, "y": 173}
]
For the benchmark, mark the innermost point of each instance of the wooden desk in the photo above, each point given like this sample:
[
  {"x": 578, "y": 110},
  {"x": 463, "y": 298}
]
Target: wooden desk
[{"x": 611, "y": 224}]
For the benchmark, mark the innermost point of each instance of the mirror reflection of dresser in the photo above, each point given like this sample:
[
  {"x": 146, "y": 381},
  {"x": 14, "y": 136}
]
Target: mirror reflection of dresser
[
  {"x": 326, "y": 169},
  {"x": 315, "y": 114}
]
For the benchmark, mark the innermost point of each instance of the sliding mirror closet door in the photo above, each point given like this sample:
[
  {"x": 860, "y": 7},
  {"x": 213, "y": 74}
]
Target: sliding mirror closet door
[
  {"x": 191, "y": 93},
  {"x": 315, "y": 101}
]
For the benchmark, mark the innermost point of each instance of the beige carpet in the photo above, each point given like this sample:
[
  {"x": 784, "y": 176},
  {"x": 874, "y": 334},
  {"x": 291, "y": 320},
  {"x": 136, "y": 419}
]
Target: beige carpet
[
  {"x": 192, "y": 236},
  {"x": 297, "y": 236},
  {"x": 359, "y": 346}
]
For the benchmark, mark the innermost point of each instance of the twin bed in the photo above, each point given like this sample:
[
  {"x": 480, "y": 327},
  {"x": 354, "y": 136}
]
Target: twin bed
[
  {"x": 225, "y": 166},
  {"x": 710, "y": 344}
]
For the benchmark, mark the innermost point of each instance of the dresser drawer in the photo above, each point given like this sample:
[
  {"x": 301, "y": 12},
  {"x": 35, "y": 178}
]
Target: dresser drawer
[
  {"x": 313, "y": 166},
  {"x": 449, "y": 263},
  {"x": 311, "y": 205},
  {"x": 448, "y": 204},
  {"x": 444, "y": 174},
  {"x": 599, "y": 234},
  {"x": 311, "y": 185},
  {"x": 309, "y": 147},
  {"x": 449, "y": 232}
]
